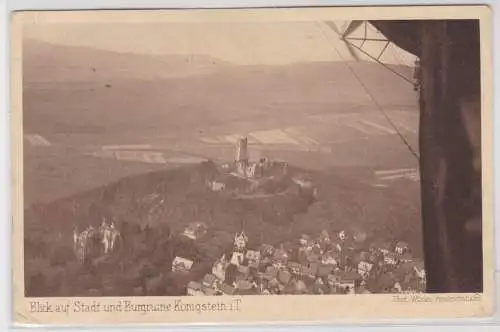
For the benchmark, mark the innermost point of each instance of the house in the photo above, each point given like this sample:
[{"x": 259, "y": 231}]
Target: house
[
  {"x": 210, "y": 280},
  {"x": 329, "y": 259},
  {"x": 314, "y": 256},
  {"x": 333, "y": 279},
  {"x": 261, "y": 167},
  {"x": 347, "y": 262},
  {"x": 266, "y": 276},
  {"x": 319, "y": 287},
  {"x": 253, "y": 258},
  {"x": 376, "y": 257},
  {"x": 294, "y": 267},
  {"x": 265, "y": 291},
  {"x": 346, "y": 284},
  {"x": 304, "y": 240},
  {"x": 216, "y": 186},
  {"x": 305, "y": 188},
  {"x": 324, "y": 237},
  {"x": 266, "y": 250},
  {"x": 237, "y": 258},
  {"x": 390, "y": 259},
  {"x": 397, "y": 287},
  {"x": 265, "y": 261},
  {"x": 219, "y": 268},
  {"x": 306, "y": 248},
  {"x": 278, "y": 265},
  {"x": 181, "y": 264},
  {"x": 406, "y": 258},
  {"x": 385, "y": 248},
  {"x": 194, "y": 289},
  {"x": 284, "y": 276},
  {"x": 342, "y": 235},
  {"x": 227, "y": 289},
  {"x": 275, "y": 287},
  {"x": 231, "y": 273},
  {"x": 347, "y": 280},
  {"x": 419, "y": 268},
  {"x": 240, "y": 241},
  {"x": 251, "y": 171},
  {"x": 271, "y": 269},
  {"x": 310, "y": 270},
  {"x": 303, "y": 182},
  {"x": 209, "y": 291},
  {"x": 195, "y": 230},
  {"x": 363, "y": 255},
  {"x": 364, "y": 269},
  {"x": 401, "y": 247}
]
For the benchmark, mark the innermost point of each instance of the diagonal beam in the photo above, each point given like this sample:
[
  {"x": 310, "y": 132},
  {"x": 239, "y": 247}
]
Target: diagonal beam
[{"x": 379, "y": 62}]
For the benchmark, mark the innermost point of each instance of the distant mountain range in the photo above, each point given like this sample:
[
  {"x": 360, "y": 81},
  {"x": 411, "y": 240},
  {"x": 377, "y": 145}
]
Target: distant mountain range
[
  {"x": 200, "y": 80},
  {"x": 46, "y": 62}
]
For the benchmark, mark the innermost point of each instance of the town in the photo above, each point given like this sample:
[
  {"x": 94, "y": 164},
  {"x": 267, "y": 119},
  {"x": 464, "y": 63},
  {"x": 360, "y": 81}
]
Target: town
[
  {"x": 341, "y": 263},
  {"x": 326, "y": 262}
]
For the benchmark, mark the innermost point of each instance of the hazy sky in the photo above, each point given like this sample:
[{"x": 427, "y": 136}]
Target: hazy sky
[{"x": 239, "y": 43}]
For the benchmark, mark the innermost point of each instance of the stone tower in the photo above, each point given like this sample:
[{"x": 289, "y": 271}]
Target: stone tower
[{"x": 241, "y": 156}]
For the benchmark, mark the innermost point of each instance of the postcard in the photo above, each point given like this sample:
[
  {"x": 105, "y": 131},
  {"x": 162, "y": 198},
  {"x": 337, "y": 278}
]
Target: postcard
[{"x": 252, "y": 165}]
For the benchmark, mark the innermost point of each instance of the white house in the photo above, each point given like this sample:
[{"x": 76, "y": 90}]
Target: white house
[
  {"x": 237, "y": 258},
  {"x": 181, "y": 264},
  {"x": 364, "y": 269},
  {"x": 194, "y": 289}
]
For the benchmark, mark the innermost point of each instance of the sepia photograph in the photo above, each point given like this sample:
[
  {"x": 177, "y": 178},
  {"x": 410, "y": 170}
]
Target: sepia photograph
[{"x": 270, "y": 157}]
